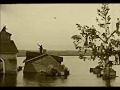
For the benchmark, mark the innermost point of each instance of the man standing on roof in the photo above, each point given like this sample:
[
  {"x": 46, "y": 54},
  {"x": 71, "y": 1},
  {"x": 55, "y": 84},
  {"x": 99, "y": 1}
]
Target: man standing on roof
[{"x": 41, "y": 49}]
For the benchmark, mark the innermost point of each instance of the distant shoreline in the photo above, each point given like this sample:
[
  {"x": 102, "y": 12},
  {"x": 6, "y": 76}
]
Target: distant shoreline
[{"x": 22, "y": 53}]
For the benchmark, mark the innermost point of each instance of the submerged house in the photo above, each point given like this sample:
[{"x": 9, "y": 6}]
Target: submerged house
[
  {"x": 8, "y": 53},
  {"x": 42, "y": 63}
]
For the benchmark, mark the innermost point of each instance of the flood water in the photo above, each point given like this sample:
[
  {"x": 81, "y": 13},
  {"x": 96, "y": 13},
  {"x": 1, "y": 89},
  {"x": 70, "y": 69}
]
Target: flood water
[{"x": 79, "y": 76}]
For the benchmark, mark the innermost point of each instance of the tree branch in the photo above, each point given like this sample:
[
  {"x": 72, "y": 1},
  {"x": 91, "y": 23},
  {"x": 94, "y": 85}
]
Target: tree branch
[
  {"x": 100, "y": 37},
  {"x": 111, "y": 35},
  {"x": 102, "y": 40}
]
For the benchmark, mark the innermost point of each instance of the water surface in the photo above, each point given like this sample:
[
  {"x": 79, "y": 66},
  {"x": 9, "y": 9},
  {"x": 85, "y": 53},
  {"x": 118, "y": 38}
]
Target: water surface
[{"x": 79, "y": 76}]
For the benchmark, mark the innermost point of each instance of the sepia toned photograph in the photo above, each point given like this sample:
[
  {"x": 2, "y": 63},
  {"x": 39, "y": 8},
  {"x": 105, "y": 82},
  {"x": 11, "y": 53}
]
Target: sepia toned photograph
[{"x": 60, "y": 45}]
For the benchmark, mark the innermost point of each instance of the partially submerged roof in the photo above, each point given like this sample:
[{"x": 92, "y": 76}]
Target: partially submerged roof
[
  {"x": 31, "y": 54},
  {"x": 57, "y": 58}
]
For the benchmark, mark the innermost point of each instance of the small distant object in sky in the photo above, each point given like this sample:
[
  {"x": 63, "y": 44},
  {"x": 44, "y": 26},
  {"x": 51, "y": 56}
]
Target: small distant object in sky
[{"x": 54, "y": 17}]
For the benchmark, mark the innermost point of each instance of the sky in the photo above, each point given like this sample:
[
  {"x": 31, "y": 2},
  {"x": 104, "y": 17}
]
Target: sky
[{"x": 50, "y": 25}]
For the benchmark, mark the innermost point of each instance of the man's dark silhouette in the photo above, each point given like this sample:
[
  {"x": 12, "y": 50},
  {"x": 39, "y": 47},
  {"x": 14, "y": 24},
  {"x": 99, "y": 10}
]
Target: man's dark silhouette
[{"x": 41, "y": 49}]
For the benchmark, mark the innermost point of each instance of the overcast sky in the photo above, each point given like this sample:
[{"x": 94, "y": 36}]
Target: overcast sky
[{"x": 51, "y": 25}]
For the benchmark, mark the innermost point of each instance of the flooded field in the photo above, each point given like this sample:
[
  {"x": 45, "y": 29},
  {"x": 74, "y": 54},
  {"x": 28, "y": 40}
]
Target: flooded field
[{"x": 79, "y": 76}]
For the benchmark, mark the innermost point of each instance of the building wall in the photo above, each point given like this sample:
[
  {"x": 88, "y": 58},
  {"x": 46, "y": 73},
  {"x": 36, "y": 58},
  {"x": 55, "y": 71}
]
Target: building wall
[
  {"x": 29, "y": 67},
  {"x": 10, "y": 62},
  {"x": 42, "y": 64}
]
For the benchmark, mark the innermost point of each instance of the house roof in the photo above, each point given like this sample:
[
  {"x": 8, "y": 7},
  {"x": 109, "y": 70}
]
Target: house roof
[
  {"x": 4, "y": 31},
  {"x": 31, "y": 54},
  {"x": 8, "y": 47},
  {"x": 35, "y": 58},
  {"x": 57, "y": 58}
]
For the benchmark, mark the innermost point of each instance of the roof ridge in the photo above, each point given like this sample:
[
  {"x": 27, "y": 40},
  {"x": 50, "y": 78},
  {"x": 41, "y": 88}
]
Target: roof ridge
[{"x": 35, "y": 57}]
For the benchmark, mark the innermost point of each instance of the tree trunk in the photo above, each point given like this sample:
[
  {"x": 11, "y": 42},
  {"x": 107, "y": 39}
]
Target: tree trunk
[{"x": 106, "y": 74}]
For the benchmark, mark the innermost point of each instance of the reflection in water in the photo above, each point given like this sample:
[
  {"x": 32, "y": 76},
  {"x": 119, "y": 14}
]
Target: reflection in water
[
  {"x": 8, "y": 80},
  {"x": 107, "y": 83},
  {"x": 1, "y": 79},
  {"x": 40, "y": 80},
  {"x": 79, "y": 76}
]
